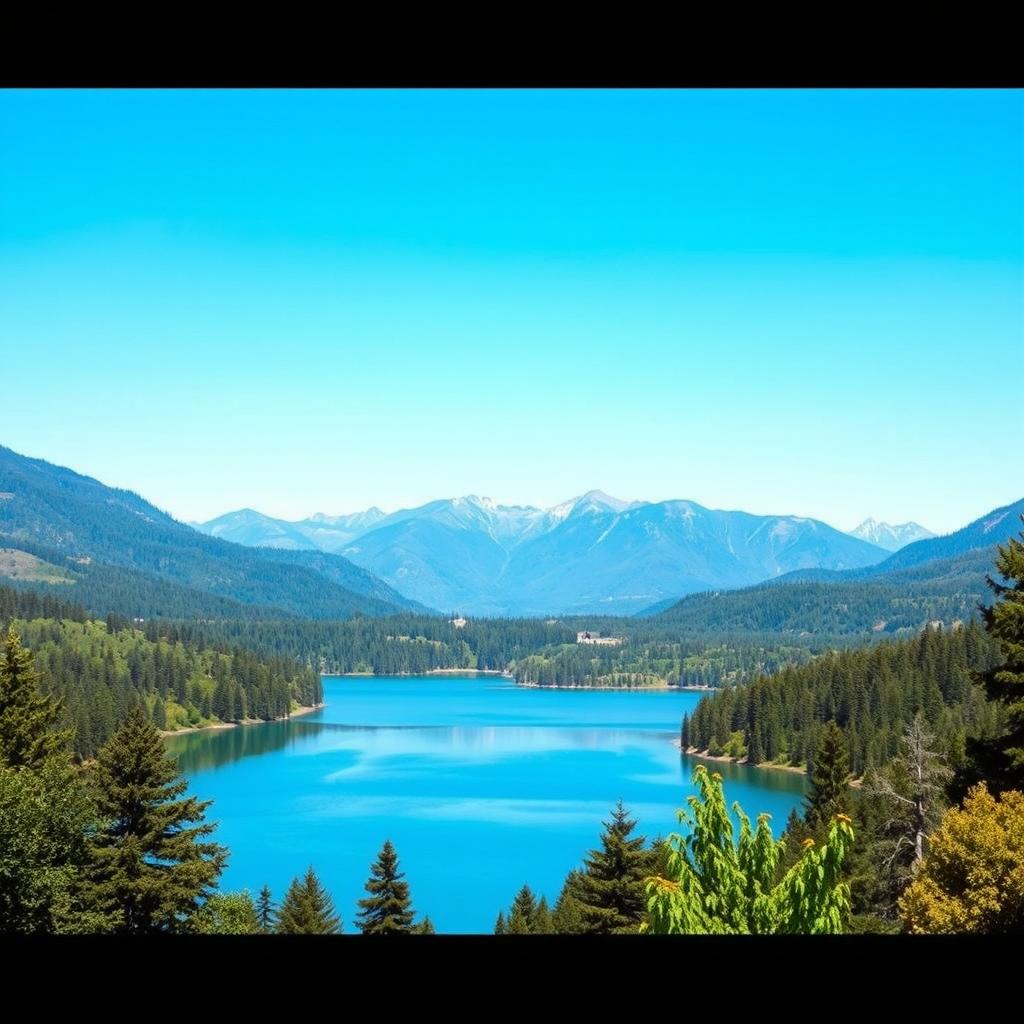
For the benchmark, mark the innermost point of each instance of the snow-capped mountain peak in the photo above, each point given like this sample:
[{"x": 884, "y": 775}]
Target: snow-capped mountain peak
[{"x": 888, "y": 536}]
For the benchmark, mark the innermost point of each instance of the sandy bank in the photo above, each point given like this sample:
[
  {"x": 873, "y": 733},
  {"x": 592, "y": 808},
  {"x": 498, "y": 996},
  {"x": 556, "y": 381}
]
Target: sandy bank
[{"x": 249, "y": 721}]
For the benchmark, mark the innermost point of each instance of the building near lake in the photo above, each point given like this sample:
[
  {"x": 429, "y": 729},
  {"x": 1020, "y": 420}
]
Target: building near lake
[{"x": 590, "y": 636}]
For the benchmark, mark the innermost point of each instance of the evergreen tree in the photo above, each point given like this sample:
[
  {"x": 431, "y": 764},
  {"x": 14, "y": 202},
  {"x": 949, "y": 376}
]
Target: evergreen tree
[
  {"x": 567, "y": 918},
  {"x": 829, "y": 794},
  {"x": 499, "y": 925},
  {"x": 27, "y": 716},
  {"x": 523, "y": 912},
  {"x": 999, "y": 761},
  {"x": 148, "y": 871},
  {"x": 425, "y": 927},
  {"x": 543, "y": 919},
  {"x": 266, "y": 912},
  {"x": 611, "y": 887},
  {"x": 308, "y": 909},
  {"x": 387, "y": 910}
]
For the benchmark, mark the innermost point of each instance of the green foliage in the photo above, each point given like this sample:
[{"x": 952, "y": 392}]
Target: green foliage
[
  {"x": 897, "y": 809},
  {"x": 567, "y": 918},
  {"x": 872, "y": 694},
  {"x": 543, "y": 920},
  {"x": 150, "y": 863},
  {"x": 829, "y": 793},
  {"x": 425, "y": 927},
  {"x": 230, "y": 913},
  {"x": 266, "y": 912},
  {"x": 999, "y": 760},
  {"x": 388, "y": 908},
  {"x": 896, "y": 603},
  {"x": 714, "y": 884},
  {"x": 28, "y": 718},
  {"x": 524, "y": 911},
  {"x": 45, "y": 816},
  {"x": 308, "y": 909},
  {"x": 610, "y": 889},
  {"x": 95, "y": 671}
]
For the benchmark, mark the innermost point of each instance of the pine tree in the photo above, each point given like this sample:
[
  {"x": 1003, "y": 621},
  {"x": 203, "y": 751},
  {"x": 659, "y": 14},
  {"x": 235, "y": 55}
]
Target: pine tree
[
  {"x": 829, "y": 794},
  {"x": 308, "y": 909},
  {"x": 543, "y": 919},
  {"x": 499, "y": 926},
  {"x": 523, "y": 912},
  {"x": 148, "y": 870},
  {"x": 611, "y": 888},
  {"x": 27, "y": 716},
  {"x": 266, "y": 912},
  {"x": 567, "y": 918},
  {"x": 387, "y": 910},
  {"x": 999, "y": 762},
  {"x": 425, "y": 927}
]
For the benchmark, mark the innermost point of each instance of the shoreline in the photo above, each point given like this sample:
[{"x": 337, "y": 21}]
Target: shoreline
[
  {"x": 298, "y": 712},
  {"x": 659, "y": 687},
  {"x": 428, "y": 672},
  {"x": 703, "y": 755}
]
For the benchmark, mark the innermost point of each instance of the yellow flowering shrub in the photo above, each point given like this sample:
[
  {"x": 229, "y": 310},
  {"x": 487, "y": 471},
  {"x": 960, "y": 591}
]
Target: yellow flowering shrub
[{"x": 972, "y": 880}]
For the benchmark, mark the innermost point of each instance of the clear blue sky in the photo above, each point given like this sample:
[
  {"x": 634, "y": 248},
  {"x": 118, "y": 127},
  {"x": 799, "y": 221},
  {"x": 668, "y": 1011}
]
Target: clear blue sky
[{"x": 786, "y": 302}]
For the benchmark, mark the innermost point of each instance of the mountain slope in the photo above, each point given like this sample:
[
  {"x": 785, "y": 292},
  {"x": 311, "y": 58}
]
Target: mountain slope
[
  {"x": 936, "y": 579},
  {"x": 890, "y": 537},
  {"x": 74, "y": 518},
  {"x": 992, "y": 528}
]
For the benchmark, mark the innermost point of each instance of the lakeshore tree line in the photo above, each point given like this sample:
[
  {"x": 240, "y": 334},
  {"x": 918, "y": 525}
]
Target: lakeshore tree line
[{"x": 931, "y": 841}]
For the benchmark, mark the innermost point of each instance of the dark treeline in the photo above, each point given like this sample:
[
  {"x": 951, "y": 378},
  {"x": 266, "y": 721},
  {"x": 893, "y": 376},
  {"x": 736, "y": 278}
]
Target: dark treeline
[
  {"x": 871, "y": 693},
  {"x": 103, "y": 669},
  {"x": 535, "y": 651}
]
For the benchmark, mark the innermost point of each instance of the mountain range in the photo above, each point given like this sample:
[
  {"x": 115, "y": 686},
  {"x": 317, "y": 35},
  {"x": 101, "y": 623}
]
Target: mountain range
[
  {"x": 591, "y": 554},
  {"x": 935, "y": 579},
  {"x": 111, "y": 551}
]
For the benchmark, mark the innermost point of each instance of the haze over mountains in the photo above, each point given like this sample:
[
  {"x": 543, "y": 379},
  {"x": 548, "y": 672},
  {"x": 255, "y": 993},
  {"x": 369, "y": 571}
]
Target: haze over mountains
[{"x": 591, "y": 554}]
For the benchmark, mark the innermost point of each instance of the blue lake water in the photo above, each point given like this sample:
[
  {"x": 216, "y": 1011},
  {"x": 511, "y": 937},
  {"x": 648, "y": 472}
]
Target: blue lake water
[{"x": 480, "y": 784}]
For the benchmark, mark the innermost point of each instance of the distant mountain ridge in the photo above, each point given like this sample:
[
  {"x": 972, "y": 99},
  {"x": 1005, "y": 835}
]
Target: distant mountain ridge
[
  {"x": 591, "y": 554},
  {"x": 936, "y": 579},
  {"x": 890, "y": 537},
  {"x": 119, "y": 548}
]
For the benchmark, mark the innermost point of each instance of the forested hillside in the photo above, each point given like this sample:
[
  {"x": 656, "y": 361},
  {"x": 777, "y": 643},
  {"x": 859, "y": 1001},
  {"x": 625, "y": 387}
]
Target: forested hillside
[
  {"x": 102, "y": 668},
  {"x": 871, "y": 693},
  {"x": 81, "y": 526}
]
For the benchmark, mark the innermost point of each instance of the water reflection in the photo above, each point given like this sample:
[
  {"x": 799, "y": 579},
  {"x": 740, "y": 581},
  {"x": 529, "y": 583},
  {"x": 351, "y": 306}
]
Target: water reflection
[{"x": 480, "y": 786}]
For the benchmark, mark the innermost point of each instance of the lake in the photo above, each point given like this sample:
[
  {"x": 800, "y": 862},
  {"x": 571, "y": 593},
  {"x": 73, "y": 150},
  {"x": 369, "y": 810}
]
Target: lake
[{"x": 480, "y": 784}]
